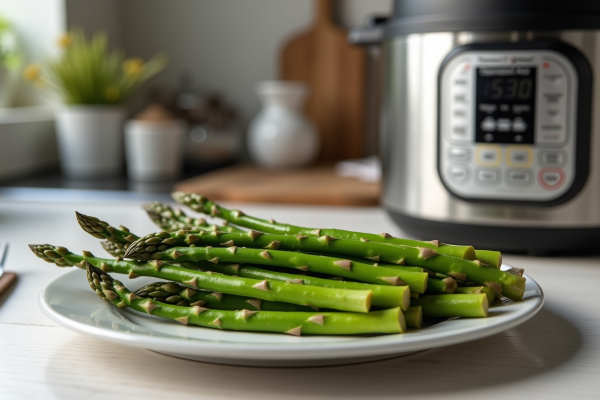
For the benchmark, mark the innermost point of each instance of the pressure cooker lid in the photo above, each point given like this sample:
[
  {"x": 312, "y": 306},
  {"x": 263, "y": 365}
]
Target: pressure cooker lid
[{"x": 417, "y": 16}]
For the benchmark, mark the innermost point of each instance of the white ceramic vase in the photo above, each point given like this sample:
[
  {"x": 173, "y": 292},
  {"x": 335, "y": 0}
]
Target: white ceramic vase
[
  {"x": 90, "y": 140},
  {"x": 154, "y": 149},
  {"x": 280, "y": 136}
]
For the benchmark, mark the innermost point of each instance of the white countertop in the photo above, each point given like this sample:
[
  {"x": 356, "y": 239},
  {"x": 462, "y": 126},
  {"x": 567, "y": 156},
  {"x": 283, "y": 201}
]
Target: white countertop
[{"x": 555, "y": 355}]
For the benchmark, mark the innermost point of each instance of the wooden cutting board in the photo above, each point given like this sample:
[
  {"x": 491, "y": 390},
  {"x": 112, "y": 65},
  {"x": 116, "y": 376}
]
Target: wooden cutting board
[
  {"x": 335, "y": 73},
  {"x": 317, "y": 185}
]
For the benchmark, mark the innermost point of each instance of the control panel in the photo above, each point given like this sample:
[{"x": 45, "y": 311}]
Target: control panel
[{"x": 507, "y": 128}]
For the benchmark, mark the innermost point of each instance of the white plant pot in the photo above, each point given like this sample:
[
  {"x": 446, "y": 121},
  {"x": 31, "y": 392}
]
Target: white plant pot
[
  {"x": 154, "y": 149},
  {"x": 280, "y": 136},
  {"x": 90, "y": 140}
]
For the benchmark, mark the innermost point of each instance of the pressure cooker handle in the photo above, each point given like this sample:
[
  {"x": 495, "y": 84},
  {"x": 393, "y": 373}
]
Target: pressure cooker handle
[{"x": 370, "y": 34}]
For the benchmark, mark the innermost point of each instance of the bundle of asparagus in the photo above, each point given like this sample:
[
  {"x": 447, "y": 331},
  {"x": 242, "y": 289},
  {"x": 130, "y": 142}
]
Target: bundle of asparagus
[{"x": 283, "y": 278}]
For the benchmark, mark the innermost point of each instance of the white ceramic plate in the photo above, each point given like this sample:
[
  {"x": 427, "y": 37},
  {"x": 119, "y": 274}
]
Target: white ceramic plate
[{"x": 69, "y": 301}]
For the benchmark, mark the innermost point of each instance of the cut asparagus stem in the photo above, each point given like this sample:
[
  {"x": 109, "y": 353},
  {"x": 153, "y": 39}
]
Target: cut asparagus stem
[
  {"x": 441, "y": 286},
  {"x": 305, "y": 262},
  {"x": 293, "y": 323},
  {"x": 337, "y": 299},
  {"x": 169, "y": 219},
  {"x": 490, "y": 258},
  {"x": 512, "y": 286},
  {"x": 477, "y": 290},
  {"x": 414, "y": 317},
  {"x": 202, "y": 204},
  {"x": 383, "y": 296},
  {"x": 453, "y": 305},
  {"x": 173, "y": 293}
]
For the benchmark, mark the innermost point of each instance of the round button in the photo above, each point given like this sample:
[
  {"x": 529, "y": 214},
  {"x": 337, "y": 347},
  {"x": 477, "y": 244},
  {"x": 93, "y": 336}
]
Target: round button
[
  {"x": 459, "y": 174},
  {"x": 551, "y": 178}
]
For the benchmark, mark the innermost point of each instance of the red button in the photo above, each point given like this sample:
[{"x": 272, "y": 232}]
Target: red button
[
  {"x": 551, "y": 178},
  {"x": 546, "y": 65}
]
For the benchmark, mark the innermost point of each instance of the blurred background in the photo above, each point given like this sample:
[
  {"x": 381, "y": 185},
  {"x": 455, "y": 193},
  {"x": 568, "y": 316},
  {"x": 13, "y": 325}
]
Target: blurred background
[{"x": 217, "y": 54}]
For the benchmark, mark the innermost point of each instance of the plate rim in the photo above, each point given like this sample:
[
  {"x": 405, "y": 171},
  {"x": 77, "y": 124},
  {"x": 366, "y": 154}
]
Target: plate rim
[{"x": 371, "y": 346}]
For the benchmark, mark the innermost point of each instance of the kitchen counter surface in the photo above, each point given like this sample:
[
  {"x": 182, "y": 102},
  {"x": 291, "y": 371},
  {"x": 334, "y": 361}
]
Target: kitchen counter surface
[{"x": 555, "y": 355}]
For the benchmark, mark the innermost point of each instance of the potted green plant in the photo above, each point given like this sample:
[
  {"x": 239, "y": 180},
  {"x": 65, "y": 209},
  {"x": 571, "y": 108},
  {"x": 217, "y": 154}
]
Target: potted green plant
[
  {"x": 92, "y": 82},
  {"x": 9, "y": 63}
]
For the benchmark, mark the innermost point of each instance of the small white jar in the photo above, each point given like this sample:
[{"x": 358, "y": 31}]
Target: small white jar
[{"x": 154, "y": 149}]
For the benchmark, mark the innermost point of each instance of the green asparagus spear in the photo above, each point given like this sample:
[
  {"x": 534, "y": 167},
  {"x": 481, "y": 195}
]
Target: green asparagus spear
[
  {"x": 414, "y": 317},
  {"x": 441, "y": 286},
  {"x": 292, "y": 323},
  {"x": 337, "y": 299},
  {"x": 102, "y": 230},
  {"x": 477, "y": 290},
  {"x": 172, "y": 293},
  {"x": 512, "y": 286},
  {"x": 302, "y": 261},
  {"x": 453, "y": 305},
  {"x": 118, "y": 239},
  {"x": 169, "y": 219},
  {"x": 383, "y": 296},
  {"x": 202, "y": 204}
]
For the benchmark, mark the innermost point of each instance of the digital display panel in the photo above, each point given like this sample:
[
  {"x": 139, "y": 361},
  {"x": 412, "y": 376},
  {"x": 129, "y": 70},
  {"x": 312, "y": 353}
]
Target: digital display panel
[{"x": 505, "y": 104}]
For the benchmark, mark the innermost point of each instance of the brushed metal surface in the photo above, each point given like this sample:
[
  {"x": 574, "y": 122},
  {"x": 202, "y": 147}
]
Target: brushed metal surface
[{"x": 412, "y": 185}]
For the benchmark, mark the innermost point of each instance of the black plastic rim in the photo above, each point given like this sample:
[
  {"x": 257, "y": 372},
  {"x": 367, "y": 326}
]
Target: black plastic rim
[{"x": 417, "y": 16}]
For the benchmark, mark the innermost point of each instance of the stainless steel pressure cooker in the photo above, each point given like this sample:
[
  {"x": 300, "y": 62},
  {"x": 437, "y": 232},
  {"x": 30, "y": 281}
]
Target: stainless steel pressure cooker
[{"x": 491, "y": 122}]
